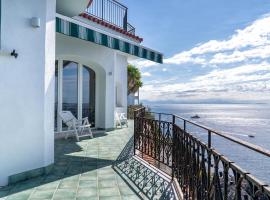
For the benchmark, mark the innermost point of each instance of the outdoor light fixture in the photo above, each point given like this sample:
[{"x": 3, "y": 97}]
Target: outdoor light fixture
[
  {"x": 35, "y": 22},
  {"x": 110, "y": 73},
  {"x": 14, "y": 53}
]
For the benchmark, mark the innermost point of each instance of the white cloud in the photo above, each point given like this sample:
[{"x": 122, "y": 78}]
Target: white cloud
[
  {"x": 234, "y": 83},
  {"x": 146, "y": 74},
  {"x": 142, "y": 63},
  {"x": 248, "y": 43},
  {"x": 240, "y": 68}
]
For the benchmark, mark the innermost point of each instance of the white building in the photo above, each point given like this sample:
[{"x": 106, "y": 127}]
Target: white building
[{"x": 66, "y": 57}]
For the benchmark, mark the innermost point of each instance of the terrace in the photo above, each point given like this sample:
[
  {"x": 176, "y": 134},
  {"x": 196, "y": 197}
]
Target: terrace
[
  {"x": 99, "y": 168},
  {"x": 157, "y": 158}
]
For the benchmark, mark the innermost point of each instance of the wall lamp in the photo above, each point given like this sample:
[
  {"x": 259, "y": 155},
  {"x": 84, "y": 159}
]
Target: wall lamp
[
  {"x": 14, "y": 53},
  {"x": 35, "y": 22}
]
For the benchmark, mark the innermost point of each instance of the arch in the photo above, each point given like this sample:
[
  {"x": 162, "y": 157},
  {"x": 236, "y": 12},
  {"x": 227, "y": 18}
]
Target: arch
[{"x": 100, "y": 86}]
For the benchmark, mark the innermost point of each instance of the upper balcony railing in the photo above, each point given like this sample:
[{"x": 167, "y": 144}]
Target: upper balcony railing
[{"x": 112, "y": 12}]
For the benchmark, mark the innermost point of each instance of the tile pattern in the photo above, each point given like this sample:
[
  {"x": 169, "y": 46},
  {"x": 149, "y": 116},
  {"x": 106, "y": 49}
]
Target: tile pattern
[{"x": 84, "y": 170}]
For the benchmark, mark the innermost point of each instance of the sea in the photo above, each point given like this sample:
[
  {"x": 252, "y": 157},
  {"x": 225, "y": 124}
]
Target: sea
[{"x": 248, "y": 122}]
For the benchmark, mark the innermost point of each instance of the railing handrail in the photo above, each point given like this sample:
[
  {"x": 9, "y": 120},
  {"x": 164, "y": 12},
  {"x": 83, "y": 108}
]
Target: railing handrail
[
  {"x": 118, "y": 3},
  {"x": 249, "y": 145},
  {"x": 246, "y": 144}
]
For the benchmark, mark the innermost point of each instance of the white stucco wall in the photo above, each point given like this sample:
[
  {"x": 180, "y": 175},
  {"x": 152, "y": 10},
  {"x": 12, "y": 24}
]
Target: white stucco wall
[
  {"x": 26, "y": 87},
  {"x": 110, "y": 67},
  {"x": 121, "y": 83}
]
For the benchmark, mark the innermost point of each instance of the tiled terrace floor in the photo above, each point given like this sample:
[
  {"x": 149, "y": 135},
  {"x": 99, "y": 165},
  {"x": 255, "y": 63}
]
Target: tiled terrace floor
[{"x": 100, "y": 168}]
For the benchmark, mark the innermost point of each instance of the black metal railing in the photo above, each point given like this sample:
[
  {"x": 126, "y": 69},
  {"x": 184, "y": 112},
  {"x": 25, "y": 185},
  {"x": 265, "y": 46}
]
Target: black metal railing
[
  {"x": 112, "y": 12},
  {"x": 202, "y": 172},
  {"x": 130, "y": 29}
]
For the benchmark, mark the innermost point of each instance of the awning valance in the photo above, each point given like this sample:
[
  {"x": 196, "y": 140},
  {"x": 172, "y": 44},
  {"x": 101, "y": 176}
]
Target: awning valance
[{"x": 78, "y": 31}]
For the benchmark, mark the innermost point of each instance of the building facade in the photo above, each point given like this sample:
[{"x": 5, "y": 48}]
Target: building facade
[{"x": 60, "y": 55}]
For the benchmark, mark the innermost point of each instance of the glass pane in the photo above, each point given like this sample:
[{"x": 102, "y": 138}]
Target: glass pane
[
  {"x": 70, "y": 87},
  {"x": 89, "y": 90},
  {"x": 56, "y": 95}
]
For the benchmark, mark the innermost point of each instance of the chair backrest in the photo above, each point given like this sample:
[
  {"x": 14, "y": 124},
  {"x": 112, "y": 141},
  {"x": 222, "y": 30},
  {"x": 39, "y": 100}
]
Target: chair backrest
[
  {"x": 120, "y": 116},
  {"x": 123, "y": 116},
  {"x": 68, "y": 118},
  {"x": 117, "y": 116}
]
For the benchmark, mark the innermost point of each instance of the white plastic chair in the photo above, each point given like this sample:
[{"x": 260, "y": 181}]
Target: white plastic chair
[
  {"x": 75, "y": 125},
  {"x": 121, "y": 119}
]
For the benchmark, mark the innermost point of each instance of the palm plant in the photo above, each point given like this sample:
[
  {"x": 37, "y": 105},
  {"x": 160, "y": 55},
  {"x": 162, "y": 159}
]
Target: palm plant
[{"x": 134, "y": 79}]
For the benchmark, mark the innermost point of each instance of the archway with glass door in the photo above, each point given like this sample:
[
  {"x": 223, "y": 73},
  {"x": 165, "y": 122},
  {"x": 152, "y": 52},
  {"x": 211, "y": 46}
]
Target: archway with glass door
[{"x": 75, "y": 91}]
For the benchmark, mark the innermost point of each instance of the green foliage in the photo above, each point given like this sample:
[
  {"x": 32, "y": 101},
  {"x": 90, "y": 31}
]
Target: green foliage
[{"x": 134, "y": 79}]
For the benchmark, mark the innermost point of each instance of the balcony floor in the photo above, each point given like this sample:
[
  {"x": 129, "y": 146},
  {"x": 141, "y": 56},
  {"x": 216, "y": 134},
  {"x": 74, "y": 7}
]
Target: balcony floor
[{"x": 100, "y": 168}]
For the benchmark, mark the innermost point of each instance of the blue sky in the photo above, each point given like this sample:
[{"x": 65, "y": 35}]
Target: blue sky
[{"x": 214, "y": 50}]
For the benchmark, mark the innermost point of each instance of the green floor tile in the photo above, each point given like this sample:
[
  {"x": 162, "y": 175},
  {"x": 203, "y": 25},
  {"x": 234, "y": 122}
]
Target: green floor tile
[
  {"x": 65, "y": 194},
  {"x": 20, "y": 195},
  {"x": 87, "y": 183},
  {"x": 107, "y": 183},
  {"x": 110, "y": 198},
  {"x": 89, "y": 192},
  {"x": 42, "y": 194},
  {"x": 68, "y": 184},
  {"x": 112, "y": 191},
  {"x": 47, "y": 186},
  {"x": 87, "y": 198}
]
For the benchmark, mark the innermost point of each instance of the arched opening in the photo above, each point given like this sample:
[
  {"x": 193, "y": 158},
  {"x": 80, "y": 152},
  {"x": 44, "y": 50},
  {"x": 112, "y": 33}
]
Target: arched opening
[{"x": 75, "y": 91}]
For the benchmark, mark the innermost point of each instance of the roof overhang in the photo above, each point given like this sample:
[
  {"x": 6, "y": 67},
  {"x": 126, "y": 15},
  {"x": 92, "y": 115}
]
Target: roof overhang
[
  {"x": 76, "y": 29},
  {"x": 71, "y": 8}
]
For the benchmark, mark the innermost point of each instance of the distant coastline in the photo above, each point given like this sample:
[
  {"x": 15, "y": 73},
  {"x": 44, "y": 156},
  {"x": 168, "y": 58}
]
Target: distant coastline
[{"x": 146, "y": 102}]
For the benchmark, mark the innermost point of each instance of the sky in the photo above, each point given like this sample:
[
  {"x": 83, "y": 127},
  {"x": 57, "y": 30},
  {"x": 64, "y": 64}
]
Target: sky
[{"x": 214, "y": 50}]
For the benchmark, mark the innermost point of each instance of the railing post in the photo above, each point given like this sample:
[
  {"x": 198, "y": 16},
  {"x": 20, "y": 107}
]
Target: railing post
[
  {"x": 134, "y": 137},
  {"x": 125, "y": 20},
  {"x": 173, "y": 145},
  {"x": 102, "y": 10},
  {"x": 209, "y": 139},
  {"x": 209, "y": 163},
  {"x": 185, "y": 125}
]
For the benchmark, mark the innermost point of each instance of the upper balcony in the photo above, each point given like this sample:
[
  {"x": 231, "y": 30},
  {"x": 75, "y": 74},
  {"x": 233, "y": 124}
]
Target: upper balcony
[
  {"x": 107, "y": 13},
  {"x": 111, "y": 12}
]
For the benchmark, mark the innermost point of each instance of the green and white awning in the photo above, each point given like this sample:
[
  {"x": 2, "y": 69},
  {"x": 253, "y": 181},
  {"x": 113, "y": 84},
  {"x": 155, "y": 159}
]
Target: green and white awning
[{"x": 74, "y": 30}]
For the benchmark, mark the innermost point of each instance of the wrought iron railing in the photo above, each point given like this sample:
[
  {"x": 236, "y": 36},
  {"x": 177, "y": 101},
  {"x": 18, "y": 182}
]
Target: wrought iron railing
[
  {"x": 130, "y": 29},
  {"x": 111, "y": 12},
  {"x": 202, "y": 172}
]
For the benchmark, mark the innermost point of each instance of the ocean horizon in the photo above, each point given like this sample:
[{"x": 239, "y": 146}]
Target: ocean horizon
[{"x": 240, "y": 120}]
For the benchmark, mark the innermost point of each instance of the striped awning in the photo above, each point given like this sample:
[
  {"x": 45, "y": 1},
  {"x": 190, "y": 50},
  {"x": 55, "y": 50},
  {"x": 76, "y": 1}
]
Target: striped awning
[{"x": 75, "y": 30}]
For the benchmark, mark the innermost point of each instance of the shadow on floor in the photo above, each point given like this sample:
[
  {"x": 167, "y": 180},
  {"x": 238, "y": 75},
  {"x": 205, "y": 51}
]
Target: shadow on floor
[
  {"x": 71, "y": 160},
  {"x": 143, "y": 180}
]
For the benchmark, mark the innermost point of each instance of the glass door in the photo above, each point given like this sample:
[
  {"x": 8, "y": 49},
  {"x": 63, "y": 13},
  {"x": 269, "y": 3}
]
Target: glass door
[
  {"x": 75, "y": 91},
  {"x": 70, "y": 87},
  {"x": 88, "y": 94}
]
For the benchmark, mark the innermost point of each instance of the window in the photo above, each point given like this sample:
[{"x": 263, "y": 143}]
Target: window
[
  {"x": 70, "y": 87},
  {"x": 89, "y": 90},
  {"x": 75, "y": 91},
  {"x": 56, "y": 95}
]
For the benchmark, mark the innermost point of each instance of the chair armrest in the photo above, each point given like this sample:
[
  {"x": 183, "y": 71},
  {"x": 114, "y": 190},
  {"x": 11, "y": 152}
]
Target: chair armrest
[
  {"x": 84, "y": 126},
  {"x": 123, "y": 116},
  {"x": 83, "y": 119}
]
